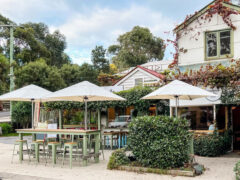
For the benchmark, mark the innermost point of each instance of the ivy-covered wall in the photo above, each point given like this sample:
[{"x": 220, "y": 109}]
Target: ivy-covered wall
[{"x": 133, "y": 98}]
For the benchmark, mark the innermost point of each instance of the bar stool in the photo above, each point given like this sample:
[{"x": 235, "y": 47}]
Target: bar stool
[
  {"x": 20, "y": 143},
  {"x": 36, "y": 145},
  {"x": 70, "y": 146},
  {"x": 54, "y": 146},
  {"x": 102, "y": 144}
]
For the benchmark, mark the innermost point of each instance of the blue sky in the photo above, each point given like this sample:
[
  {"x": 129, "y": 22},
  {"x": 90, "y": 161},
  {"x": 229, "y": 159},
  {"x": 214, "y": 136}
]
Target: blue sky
[{"x": 87, "y": 23}]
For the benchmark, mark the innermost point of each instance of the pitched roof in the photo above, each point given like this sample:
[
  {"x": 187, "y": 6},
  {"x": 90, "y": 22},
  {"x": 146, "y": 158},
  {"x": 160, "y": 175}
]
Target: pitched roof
[
  {"x": 201, "y": 12},
  {"x": 154, "y": 73}
]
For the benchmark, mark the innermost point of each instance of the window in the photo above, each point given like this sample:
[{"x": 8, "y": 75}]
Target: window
[
  {"x": 218, "y": 44},
  {"x": 236, "y": 2},
  {"x": 139, "y": 82}
]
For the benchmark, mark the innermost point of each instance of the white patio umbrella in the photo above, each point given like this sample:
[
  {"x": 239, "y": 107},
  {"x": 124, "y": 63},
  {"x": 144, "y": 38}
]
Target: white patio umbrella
[
  {"x": 28, "y": 93},
  {"x": 178, "y": 90},
  {"x": 83, "y": 92}
]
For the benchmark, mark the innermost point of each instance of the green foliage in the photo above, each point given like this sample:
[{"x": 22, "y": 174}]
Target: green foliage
[
  {"x": 100, "y": 63},
  {"x": 4, "y": 71},
  {"x": 39, "y": 73},
  {"x": 6, "y": 128},
  {"x": 212, "y": 145},
  {"x": 34, "y": 41},
  {"x": 133, "y": 98},
  {"x": 70, "y": 74},
  {"x": 118, "y": 158},
  {"x": 88, "y": 73},
  {"x": 78, "y": 117},
  {"x": 137, "y": 47},
  {"x": 21, "y": 114},
  {"x": 160, "y": 141},
  {"x": 237, "y": 170}
]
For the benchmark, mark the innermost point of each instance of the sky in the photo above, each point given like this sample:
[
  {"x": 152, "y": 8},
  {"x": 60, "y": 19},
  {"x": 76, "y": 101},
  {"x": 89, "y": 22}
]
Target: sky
[{"x": 87, "y": 23}]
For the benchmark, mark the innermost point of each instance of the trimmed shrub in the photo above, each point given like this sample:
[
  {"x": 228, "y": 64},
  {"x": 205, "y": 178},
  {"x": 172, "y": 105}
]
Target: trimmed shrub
[
  {"x": 118, "y": 158},
  {"x": 212, "y": 145},
  {"x": 21, "y": 114},
  {"x": 6, "y": 128},
  {"x": 159, "y": 141},
  {"x": 237, "y": 170}
]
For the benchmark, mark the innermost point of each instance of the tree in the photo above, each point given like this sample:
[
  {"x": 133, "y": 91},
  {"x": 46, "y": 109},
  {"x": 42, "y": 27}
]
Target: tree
[
  {"x": 4, "y": 71},
  {"x": 21, "y": 114},
  {"x": 71, "y": 74},
  {"x": 88, "y": 73},
  {"x": 100, "y": 63},
  {"x": 33, "y": 41},
  {"x": 39, "y": 73},
  {"x": 137, "y": 47}
]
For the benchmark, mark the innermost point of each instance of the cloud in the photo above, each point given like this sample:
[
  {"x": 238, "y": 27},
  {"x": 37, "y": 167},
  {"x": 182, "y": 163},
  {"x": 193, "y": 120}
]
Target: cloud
[
  {"x": 88, "y": 25},
  {"x": 102, "y": 26}
]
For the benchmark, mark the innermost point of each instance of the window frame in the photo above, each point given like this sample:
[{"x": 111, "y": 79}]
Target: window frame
[
  {"x": 219, "y": 56},
  {"x": 139, "y": 84}
]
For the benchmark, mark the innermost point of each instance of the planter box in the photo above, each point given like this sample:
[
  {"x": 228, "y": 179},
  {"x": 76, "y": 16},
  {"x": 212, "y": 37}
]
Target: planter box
[{"x": 157, "y": 171}]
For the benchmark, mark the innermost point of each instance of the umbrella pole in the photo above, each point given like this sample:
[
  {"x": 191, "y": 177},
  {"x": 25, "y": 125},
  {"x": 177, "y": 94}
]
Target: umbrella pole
[
  {"x": 85, "y": 117},
  {"x": 32, "y": 116},
  {"x": 176, "y": 108}
]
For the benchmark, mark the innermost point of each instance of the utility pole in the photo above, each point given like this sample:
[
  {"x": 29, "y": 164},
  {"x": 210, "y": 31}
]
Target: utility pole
[{"x": 12, "y": 84}]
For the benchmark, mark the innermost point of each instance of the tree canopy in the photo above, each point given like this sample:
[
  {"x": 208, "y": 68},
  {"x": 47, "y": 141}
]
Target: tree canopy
[
  {"x": 137, "y": 47},
  {"x": 100, "y": 62},
  {"x": 33, "y": 41},
  {"x": 4, "y": 71},
  {"x": 39, "y": 73}
]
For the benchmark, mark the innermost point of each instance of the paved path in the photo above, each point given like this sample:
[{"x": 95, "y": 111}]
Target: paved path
[
  {"x": 12, "y": 176},
  {"x": 12, "y": 139},
  {"x": 5, "y": 116}
]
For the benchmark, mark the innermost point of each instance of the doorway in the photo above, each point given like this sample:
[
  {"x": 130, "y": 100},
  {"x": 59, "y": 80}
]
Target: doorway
[{"x": 236, "y": 127}]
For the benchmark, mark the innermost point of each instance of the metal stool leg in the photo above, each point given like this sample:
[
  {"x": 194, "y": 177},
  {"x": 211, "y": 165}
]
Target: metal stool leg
[
  {"x": 13, "y": 152},
  {"x": 28, "y": 152}
]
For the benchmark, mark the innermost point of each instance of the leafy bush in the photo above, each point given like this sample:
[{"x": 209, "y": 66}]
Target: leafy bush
[
  {"x": 160, "y": 141},
  {"x": 118, "y": 158},
  {"x": 212, "y": 145},
  {"x": 21, "y": 114},
  {"x": 237, "y": 170},
  {"x": 6, "y": 128}
]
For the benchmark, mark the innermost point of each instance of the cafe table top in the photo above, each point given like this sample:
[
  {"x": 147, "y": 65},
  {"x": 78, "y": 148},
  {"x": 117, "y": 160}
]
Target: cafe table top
[{"x": 58, "y": 131}]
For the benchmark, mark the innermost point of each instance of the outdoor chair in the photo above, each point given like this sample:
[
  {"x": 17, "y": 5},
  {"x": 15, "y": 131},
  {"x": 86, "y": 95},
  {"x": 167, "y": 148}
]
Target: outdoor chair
[
  {"x": 21, "y": 143},
  {"x": 36, "y": 152},
  {"x": 70, "y": 146},
  {"x": 53, "y": 150},
  {"x": 101, "y": 141}
]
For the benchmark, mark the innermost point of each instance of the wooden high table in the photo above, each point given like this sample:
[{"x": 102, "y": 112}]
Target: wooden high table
[{"x": 84, "y": 133}]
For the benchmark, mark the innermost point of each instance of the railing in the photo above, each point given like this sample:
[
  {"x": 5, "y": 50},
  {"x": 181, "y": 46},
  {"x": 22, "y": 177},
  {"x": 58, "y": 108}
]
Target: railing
[{"x": 206, "y": 132}]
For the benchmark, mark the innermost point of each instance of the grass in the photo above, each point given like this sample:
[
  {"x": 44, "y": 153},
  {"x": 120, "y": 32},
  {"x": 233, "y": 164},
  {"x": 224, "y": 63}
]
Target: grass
[{"x": 13, "y": 134}]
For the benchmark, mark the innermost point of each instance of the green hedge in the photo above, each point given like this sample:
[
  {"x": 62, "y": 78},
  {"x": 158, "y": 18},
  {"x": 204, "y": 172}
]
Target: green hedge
[
  {"x": 6, "y": 128},
  {"x": 118, "y": 158},
  {"x": 237, "y": 170},
  {"x": 212, "y": 145},
  {"x": 160, "y": 141}
]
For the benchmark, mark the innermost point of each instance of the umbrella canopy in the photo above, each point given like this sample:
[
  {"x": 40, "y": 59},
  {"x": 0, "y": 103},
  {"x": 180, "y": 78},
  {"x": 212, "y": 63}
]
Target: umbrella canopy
[
  {"x": 83, "y": 91},
  {"x": 27, "y": 93},
  {"x": 178, "y": 89}
]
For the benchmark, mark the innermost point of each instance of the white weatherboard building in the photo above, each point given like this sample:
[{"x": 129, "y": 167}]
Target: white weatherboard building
[
  {"x": 209, "y": 42},
  {"x": 144, "y": 74}
]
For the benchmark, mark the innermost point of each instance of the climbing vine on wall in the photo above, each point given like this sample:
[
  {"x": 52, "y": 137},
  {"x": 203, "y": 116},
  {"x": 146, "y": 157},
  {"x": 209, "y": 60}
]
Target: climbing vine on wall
[
  {"x": 218, "y": 76},
  {"x": 218, "y": 7}
]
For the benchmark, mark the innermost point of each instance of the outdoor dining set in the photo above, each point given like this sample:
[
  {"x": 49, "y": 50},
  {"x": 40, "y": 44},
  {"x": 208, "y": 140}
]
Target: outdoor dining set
[
  {"x": 70, "y": 144},
  {"x": 82, "y": 144}
]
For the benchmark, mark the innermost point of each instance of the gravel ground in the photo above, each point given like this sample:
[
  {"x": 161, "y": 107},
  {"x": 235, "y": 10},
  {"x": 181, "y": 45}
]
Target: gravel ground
[{"x": 220, "y": 168}]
